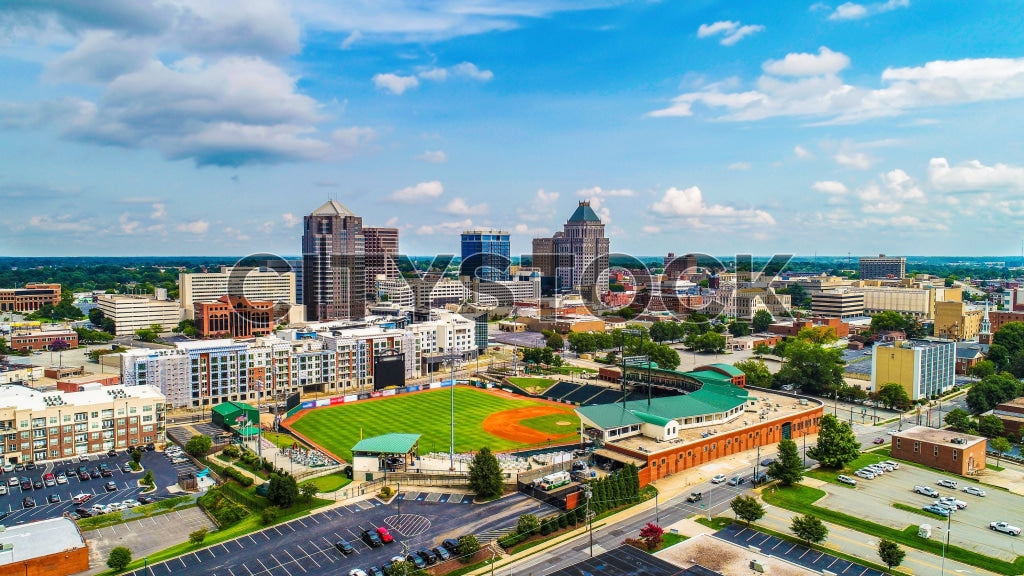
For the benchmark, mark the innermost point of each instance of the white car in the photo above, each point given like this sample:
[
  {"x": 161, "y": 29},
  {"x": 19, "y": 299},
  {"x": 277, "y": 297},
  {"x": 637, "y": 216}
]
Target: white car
[
  {"x": 129, "y": 503},
  {"x": 846, "y": 480},
  {"x": 951, "y": 501},
  {"x": 3, "y": 489},
  {"x": 718, "y": 479},
  {"x": 865, "y": 474},
  {"x": 895, "y": 465},
  {"x": 947, "y": 483},
  {"x": 973, "y": 490},
  {"x": 1005, "y": 528},
  {"x": 62, "y": 479}
]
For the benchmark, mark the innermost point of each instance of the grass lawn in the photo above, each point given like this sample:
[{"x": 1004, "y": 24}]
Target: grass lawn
[
  {"x": 716, "y": 523},
  {"x": 282, "y": 440},
  {"x": 329, "y": 482},
  {"x": 550, "y": 424},
  {"x": 338, "y": 428},
  {"x": 669, "y": 539},
  {"x": 918, "y": 510},
  {"x": 994, "y": 467},
  {"x": 861, "y": 461},
  {"x": 154, "y": 509},
  {"x": 801, "y": 499},
  {"x": 530, "y": 384}
]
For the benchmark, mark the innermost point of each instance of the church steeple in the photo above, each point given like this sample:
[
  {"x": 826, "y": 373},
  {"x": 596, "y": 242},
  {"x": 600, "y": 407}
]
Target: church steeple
[{"x": 985, "y": 333}]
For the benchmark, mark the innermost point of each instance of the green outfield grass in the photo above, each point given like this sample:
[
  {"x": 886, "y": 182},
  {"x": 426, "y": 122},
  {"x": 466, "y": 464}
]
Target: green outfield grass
[
  {"x": 550, "y": 425},
  {"x": 541, "y": 384},
  {"x": 338, "y": 428}
]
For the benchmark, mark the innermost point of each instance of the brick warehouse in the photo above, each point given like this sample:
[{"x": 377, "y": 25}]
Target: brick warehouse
[
  {"x": 666, "y": 435},
  {"x": 946, "y": 450},
  {"x": 53, "y": 547}
]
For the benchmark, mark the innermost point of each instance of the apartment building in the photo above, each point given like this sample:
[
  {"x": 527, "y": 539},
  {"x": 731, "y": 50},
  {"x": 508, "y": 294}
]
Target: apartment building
[
  {"x": 957, "y": 320},
  {"x": 883, "y": 267},
  {"x": 840, "y": 304},
  {"x": 36, "y": 425},
  {"x": 924, "y": 368},
  {"x": 256, "y": 284}
]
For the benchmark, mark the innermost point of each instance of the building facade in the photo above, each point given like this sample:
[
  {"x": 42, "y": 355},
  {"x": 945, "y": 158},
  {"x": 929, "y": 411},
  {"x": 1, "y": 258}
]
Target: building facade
[
  {"x": 381, "y": 257},
  {"x": 837, "y": 304},
  {"x": 578, "y": 257},
  {"x": 953, "y": 452},
  {"x": 42, "y": 339},
  {"x": 883, "y": 267},
  {"x": 131, "y": 313},
  {"x": 924, "y": 368},
  {"x": 957, "y": 321},
  {"x": 30, "y": 298},
  {"x": 52, "y": 547},
  {"x": 50, "y": 425},
  {"x": 257, "y": 284},
  {"x": 333, "y": 264},
  {"x": 235, "y": 317},
  {"x": 486, "y": 254}
]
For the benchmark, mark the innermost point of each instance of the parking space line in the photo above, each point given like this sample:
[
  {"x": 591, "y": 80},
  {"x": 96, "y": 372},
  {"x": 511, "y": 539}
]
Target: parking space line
[
  {"x": 297, "y": 563},
  {"x": 313, "y": 518},
  {"x": 264, "y": 566},
  {"x": 197, "y": 558},
  {"x": 278, "y": 530},
  {"x": 247, "y": 570},
  {"x": 281, "y": 565},
  {"x": 251, "y": 539},
  {"x": 210, "y": 550},
  {"x": 299, "y": 520}
]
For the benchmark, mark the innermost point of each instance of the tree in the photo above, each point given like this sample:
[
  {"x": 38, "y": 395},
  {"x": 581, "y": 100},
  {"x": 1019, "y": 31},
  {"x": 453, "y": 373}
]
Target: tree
[
  {"x": 747, "y": 508},
  {"x": 738, "y": 328},
  {"x": 197, "y": 536},
  {"x": 468, "y": 545},
  {"x": 811, "y": 367},
  {"x": 762, "y": 320},
  {"x": 1001, "y": 446},
  {"x": 787, "y": 468},
  {"x": 96, "y": 317},
  {"x": 797, "y": 295},
  {"x": 485, "y": 477},
  {"x": 983, "y": 369},
  {"x": 308, "y": 491},
  {"x": 651, "y": 535},
  {"x": 1010, "y": 336},
  {"x": 662, "y": 354},
  {"x": 992, "y": 390},
  {"x": 528, "y": 524},
  {"x": 148, "y": 478},
  {"x": 809, "y": 528},
  {"x": 187, "y": 328},
  {"x": 999, "y": 356},
  {"x": 149, "y": 334},
  {"x": 837, "y": 445},
  {"x": 555, "y": 341},
  {"x": 757, "y": 372},
  {"x": 892, "y": 394},
  {"x": 762, "y": 349},
  {"x": 283, "y": 490},
  {"x": 119, "y": 558},
  {"x": 990, "y": 426},
  {"x": 960, "y": 420},
  {"x": 818, "y": 334},
  {"x": 707, "y": 342},
  {"x": 199, "y": 445},
  {"x": 269, "y": 514},
  {"x": 890, "y": 553}
]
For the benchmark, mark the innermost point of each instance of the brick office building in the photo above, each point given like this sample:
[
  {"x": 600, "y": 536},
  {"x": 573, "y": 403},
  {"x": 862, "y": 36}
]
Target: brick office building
[
  {"x": 42, "y": 339},
  {"x": 30, "y": 298},
  {"x": 1012, "y": 415},
  {"x": 945, "y": 450},
  {"x": 234, "y": 316}
]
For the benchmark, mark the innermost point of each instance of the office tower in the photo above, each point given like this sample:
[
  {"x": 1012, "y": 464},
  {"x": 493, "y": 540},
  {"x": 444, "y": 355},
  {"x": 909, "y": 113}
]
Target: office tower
[
  {"x": 381, "y": 256},
  {"x": 578, "y": 258},
  {"x": 486, "y": 255},
  {"x": 882, "y": 268},
  {"x": 333, "y": 264}
]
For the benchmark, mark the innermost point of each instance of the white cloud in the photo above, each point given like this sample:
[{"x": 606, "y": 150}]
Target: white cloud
[
  {"x": 290, "y": 220},
  {"x": 392, "y": 222},
  {"x": 739, "y": 166},
  {"x": 598, "y": 192},
  {"x": 853, "y": 159},
  {"x": 444, "y": 227},
  {"x": 435, "y": 74},
  {"x": 351, "y": 39},
  {"x": 394, "y": 83},
  {"x": 433, "y": 156},
  {"x": 540, "y": 207},
  {"x": 101, "y": 56},
  {"x": 804, "y": 64},
  {"x": 808, "y": 85},
  {"x": 802, "y": 153},
  {"x": 525, "y": 230},
  {"x": 830, "y": 187},
  {"x": 459, "y": 207},
  {"x": 597, "y": 204},
  {"x": 159, "y": 211},
  {"x": 349, "y": 140},
  {"x": 127, "y": 225},
  {"x": 193, "y": 227},
  {"x": 974, "y": 176},
  {"x": 469, "y": 70},
  {"x": 650, "y": 230},
  {"x": 419, "y": 192},
  {"x": 689, "y": 204},
  {"x": 889, "y": 196},
  {"x": 62, "y": 223},
  {"x": 732, "y": 32},
  {"x": 854, "y": 11}
]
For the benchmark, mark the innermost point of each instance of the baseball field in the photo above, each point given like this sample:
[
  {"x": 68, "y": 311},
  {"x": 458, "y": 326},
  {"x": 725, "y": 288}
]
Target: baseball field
[{"x": 495, "y": 419}]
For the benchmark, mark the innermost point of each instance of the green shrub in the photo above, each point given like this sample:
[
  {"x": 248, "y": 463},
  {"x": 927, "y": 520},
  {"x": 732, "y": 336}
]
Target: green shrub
[
  {"x": 223, "y": 509},
  {"x": 198, "y": 536},
  {"x": 563, "y": 522},
  {"x": 230, "y": 451},
  {"x": 545, "y": 528},
  {"x": 270, "y": 514}
]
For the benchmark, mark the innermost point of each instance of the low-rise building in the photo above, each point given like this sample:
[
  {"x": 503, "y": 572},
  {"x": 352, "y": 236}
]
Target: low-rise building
[
  {"x": 1011, "y": 413},
  {"x": 20, "y": 374},
  {"x": 43, "y": 339},
  {"x": 968, "y": 354},
  {"x": 838, "y": 304},
  {"x": 30, "y": 298},
  {"x": 841, "y": 329},
  {"x": 924, "y": 368},
  {"x": 957, "y": 321},
  {"x": 54, "y": 547},
  {"x": 953, "y": 452},
  {"x": 48, "y": 425},
  {"x": 131, "y": 312},
  {"x": 235, "y": 317}
]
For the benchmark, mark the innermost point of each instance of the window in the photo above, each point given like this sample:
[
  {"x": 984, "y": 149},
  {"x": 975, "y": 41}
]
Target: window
[
  {"x": 936, "y": 451},
  {"x": 917, "y": 447},
  {"x": 898, "y": 443},
  {"x": 954, "y": 455}
]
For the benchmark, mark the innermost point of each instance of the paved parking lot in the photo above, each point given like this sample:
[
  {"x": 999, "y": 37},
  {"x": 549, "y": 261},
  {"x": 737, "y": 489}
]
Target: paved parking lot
[
  {"x": 873, "y": 499},
  {"x": 306, "y": 545},
  {"x": 172, "y": 527},
  {"x": 795, "y": 553}
]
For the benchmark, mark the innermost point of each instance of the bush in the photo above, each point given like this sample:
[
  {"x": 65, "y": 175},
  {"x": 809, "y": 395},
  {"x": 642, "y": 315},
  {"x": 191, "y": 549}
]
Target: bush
[
  {"x": 563, "y": 521},
  {"x": 528, "y": 524},
  {"x": 545, "y": 528},
  {"x": 198, "y": 536},
  {"x": 231, "y": 451},
  {"x": 148, "y": 478},
  {"x": 270, "y": 514},
  {"x": 236, "y": 475},
  {"x": 386, "y": 492},
  {"x": 223, "y": 509},
  {"x": 638, "y": 543}
]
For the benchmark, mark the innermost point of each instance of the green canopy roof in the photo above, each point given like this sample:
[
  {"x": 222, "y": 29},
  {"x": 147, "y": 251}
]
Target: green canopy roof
[
  {"x": 728, "y": 369},
  {"x": 393, "y": 443},
  {"x": 584, "y": 213},
  {"x": 249, "y": 431}
]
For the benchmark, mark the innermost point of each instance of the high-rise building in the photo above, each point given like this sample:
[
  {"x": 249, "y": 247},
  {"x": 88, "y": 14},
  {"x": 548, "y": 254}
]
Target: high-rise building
[
  {"x": 381, "y": 256},
  {"x": 578, "y": 256},
  {"x": 924, "y": 368},
  {"x": 333, "y": 263},
  {"x": 260, "y": 284},
  {"x": 486, "y": 255},
  {"x": 883, "y": 267}
]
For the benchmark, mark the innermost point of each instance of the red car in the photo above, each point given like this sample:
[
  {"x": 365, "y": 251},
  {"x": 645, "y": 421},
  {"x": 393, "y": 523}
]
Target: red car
[
  {"x": 385, "y": 536},
  {"x": 879, "y": 440}
]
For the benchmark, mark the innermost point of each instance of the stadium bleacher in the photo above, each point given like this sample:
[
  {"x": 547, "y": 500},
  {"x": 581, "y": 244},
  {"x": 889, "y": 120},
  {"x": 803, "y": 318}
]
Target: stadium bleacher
[
  {"x": 606, "y": 397},
  {"x": 560, "y": 390},
  {"x": 583, "y": 394}
]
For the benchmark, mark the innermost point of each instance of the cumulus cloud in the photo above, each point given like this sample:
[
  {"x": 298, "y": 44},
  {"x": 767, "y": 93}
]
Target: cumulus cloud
[
  {"x": 651, "y": 229},
  {"x": 159, "y": 211},
  {"x": 890, "y": 194},
  {"x": 689, "y": 204},
  {"x": 433, "y": 156},
  {"x": 61, "y": 223},
  {"x": 854, "y": 11},
  {"x": 541, "y": 206},
  {"x": 444, "y": 227},
  {"x": 808, "y": 85},
  {"x": 730, "y": 31},
  {"x": 99, "y": 57},
  {"x": 459, "y": 207},
  {"x": 853, "y": 159},
  {"x": 972, "y": 176},
  {"x": 469, "y": 70},
  {"x": 290, "y": 220},
  {"x": 418, "y": 193},
  {"x": 349, "y": 140},
  {"x": 830, "y": 187},
  {"x": 193, "y": 227},
  {"x": 394, "y": 83},
  {"x": 739, "y": 166},
  {"x": 598, "y": 192},
  {"x": 802, "y": 153}
]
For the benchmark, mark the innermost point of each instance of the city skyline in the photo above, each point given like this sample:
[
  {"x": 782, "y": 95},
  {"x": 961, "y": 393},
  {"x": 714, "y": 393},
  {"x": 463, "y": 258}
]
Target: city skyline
[{"x": 178, "y": 128}]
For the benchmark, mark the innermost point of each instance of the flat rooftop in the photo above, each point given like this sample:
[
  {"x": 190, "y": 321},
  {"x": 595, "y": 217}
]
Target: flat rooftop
[
  {"x": 940, "y": 437},
  {"x": 25, "y": 398},
  {"x": 771, "y": 404},
  {"x": 37, "y": 539}
]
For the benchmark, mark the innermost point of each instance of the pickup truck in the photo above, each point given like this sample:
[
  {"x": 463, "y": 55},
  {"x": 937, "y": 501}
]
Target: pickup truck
[
  {"x": 927, "y": 491},
  {"x": 695, "y": 497},
  {"x": 1005, "y": 528}
]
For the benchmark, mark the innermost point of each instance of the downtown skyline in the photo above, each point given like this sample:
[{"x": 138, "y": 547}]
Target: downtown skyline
[{"x": 159, "y": 128}]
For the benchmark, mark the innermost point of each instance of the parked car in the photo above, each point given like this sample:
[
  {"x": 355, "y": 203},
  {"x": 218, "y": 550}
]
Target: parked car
[
  {"x": 145, "y": 500},
  {"x": 129, "y": 503},
  {"x": 736, "y": 480},
  {"x": 960, "y": 504},
  {"x": 767, "y": 461},
  {"x": 695, "y": 497},
  {"x": 846, "y": 480},
  {"x": 30, "y": 466},
  {"x": 81, "y": 498},
  {"x": 110, "y": 486},
  {"x": 927, "y": 491},
  {"x": 28, "y": 502},
  {"x": 126, "y": 468},
  {"x": 356, "y": 572},
  {"x": 1005, "y": 528},
  {"x": 895, "y": 465},
  {"x": 26, "y": 484},
  {"x": 974, "y": 490},
  {"x": 937, "y": 510},
  {"x": 83, "y": 512},
  {"x": 760, "y": 478},
  {"x": 450, "y": 543},
  {"x": 385, "y": 536},
  {"x": 37, "y": 485},
  {"x": 372, "y": 539},
  {"x": 344, "y": 547},
  {"x": 95, "y": 473},
  {"x": 441, "y": 552},
  {"x": 53, "y": 498},
  {"x": 374, "y": 571},
  {"x": 416, "y": 560},
  {"x": 83, "y": 476},
  {"x": 62, "y": 478},
  {"x": 112, "y": 453},
  {"x": 49, "y": 479},
  {"x": 427, "y": 556},
  {"x": 946, "y": 483},
  {"x": 13, "y": 481},
  {"x": 3, "y": 489},
  {"x": 879, "y": 440},
  {"x": 865, "y": 474},
  {"x": 718, "y": 479}
]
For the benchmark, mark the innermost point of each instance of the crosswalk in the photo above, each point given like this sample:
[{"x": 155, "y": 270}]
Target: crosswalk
[{"x": 489, "y": 536}]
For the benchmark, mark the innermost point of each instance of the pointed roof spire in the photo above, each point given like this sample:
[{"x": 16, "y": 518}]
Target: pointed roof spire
[
  {"x": 332, "y": 208},
  {"x": 584, "y": 213}
]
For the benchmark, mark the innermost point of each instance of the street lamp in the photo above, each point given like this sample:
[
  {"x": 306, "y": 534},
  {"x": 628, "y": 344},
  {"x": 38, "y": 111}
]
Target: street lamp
[
  {"x": 588, "y": 493},
  {"x": 945, "y": 543}
]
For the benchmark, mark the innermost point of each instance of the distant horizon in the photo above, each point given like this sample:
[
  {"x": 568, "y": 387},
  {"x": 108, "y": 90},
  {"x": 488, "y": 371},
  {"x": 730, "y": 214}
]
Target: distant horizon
[{"x": 796, "y": 257}]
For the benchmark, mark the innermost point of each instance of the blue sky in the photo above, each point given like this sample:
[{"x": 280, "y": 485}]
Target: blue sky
[{"x": 163, "y": 127}]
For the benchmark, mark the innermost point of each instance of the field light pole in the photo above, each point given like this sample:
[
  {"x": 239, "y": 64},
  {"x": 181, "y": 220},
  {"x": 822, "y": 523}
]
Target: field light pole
[{"x": 451, "y": 448}]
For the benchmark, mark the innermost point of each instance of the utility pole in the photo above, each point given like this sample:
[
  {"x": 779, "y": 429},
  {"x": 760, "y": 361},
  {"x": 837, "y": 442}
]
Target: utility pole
[
  {"x": 398, "y": 498},
  {"x": 590, "y": 522}
]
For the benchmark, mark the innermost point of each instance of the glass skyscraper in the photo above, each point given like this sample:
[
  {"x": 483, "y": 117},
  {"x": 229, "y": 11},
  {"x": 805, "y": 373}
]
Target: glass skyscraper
[{"x": 485, "y": 255}]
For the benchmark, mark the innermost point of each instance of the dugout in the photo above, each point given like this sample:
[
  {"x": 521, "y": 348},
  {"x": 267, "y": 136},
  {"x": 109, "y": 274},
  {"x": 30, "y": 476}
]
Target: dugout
[{"x": 373, "y": 457}]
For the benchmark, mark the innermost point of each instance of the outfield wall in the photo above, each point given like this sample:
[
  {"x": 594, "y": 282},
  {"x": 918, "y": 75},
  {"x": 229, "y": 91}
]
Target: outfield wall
[{"x": 350, "y": 398}]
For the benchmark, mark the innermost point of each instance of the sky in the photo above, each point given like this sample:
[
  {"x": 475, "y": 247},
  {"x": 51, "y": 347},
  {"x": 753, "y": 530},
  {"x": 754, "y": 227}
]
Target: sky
[{"x": 189, "y": 127}]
